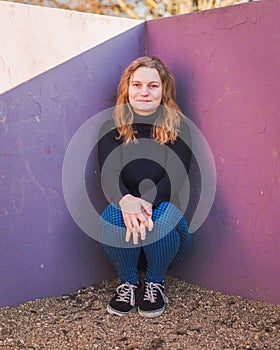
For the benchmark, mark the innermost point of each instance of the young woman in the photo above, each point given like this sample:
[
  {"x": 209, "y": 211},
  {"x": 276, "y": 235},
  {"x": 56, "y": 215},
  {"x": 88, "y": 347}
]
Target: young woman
[{"x": 144, "y": 163}]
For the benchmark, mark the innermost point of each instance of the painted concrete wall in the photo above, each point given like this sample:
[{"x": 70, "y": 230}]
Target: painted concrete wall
[
  {"x": 42, "y": 250},
  {"x": 226, "y": 63},
  {"x": 40, "y": 38},
  {"x": 227, "y": 67}
]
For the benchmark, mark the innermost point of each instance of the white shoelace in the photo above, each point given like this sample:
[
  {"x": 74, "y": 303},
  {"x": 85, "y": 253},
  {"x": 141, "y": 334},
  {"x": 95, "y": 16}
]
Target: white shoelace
[
  {"x": 125, "y": 293},
  {"x": 151, "y": 289}
]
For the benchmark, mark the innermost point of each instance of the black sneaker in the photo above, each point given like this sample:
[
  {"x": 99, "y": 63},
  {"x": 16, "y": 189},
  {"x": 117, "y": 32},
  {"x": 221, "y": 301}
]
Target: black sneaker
[
  {"x": 154, "y": 300},
  {"x": 124, "y": 300}
]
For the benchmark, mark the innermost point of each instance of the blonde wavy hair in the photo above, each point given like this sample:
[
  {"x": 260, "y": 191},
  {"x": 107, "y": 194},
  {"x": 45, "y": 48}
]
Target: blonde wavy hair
[{"x": 166, "y": 126}]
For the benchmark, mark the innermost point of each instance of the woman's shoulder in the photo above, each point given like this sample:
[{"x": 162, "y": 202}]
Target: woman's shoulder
[
  {"x": 184, "y": 129},
  {"x": 108, "y": 128}
]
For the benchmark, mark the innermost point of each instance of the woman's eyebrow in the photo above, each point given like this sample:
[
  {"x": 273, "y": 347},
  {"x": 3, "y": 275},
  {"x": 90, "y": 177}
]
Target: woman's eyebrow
[{"x": 150, "y": 82}]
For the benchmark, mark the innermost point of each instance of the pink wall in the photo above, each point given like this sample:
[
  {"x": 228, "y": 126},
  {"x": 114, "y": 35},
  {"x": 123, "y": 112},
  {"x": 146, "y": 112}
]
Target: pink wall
[{"x": 227, "y": 68}]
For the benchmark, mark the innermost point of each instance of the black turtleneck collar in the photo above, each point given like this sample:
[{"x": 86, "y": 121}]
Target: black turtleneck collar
[{"x": 143, "y": 119}]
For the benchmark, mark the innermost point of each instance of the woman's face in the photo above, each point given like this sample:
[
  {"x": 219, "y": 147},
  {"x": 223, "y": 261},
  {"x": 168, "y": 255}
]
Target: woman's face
[{"x": 145, "y": 91}]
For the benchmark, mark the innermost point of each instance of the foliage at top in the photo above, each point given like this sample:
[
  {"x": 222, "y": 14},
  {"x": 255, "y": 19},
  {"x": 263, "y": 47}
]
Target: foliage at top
[{"x": 139, "y": 9}]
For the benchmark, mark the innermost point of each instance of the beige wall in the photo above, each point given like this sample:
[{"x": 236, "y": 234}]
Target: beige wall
[{"x": 34, "y": 39}]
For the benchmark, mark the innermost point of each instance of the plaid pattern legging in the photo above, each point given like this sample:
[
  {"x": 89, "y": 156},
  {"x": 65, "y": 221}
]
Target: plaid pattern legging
[{"x": 167, "y": 245}]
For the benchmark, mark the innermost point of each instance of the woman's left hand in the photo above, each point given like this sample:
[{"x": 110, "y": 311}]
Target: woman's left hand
[{"x": 137, "y": 215}]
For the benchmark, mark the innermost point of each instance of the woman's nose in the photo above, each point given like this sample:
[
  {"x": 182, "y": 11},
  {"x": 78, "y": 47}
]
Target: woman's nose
[{"x": 144, "y": 90}]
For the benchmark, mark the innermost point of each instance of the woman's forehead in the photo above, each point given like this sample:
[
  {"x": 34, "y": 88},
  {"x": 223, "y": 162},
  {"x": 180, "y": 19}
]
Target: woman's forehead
[{"x": 146, "y": 74}]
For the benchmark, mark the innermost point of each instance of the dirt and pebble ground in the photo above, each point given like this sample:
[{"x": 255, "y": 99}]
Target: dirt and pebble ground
[{"x": 195, "y": 319}]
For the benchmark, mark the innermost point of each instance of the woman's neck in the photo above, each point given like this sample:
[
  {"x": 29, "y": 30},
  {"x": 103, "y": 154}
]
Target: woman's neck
[{"x": 150, "y": 118}]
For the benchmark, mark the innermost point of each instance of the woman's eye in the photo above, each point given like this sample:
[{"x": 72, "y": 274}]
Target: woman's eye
[
  {"x": 154, "y": 86},
  {"x": 135, "y": 85}
]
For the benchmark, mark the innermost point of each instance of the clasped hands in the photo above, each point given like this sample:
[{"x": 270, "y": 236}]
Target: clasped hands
[{"x": 137, "y": 216}]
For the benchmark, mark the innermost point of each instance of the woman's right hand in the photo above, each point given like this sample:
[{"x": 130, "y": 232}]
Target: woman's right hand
[{"x": 137, "y": 215}]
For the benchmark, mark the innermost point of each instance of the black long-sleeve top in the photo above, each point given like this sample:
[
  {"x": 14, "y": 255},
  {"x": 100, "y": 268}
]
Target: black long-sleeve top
[{"x": 146, "y": 169}]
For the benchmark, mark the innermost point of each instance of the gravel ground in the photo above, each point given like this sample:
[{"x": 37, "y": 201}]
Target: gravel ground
[{"x": 195, "y": 319}]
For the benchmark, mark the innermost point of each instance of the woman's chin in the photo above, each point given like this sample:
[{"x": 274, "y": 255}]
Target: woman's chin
[{"x": 144, "y": 109}]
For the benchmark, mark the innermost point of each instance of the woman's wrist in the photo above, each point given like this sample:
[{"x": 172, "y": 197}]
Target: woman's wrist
[{"x": 125, "y": 197}]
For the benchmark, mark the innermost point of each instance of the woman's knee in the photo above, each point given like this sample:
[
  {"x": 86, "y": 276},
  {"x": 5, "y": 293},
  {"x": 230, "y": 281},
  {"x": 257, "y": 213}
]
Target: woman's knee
[
  {"x": 167, "y": 216},
  {"x": 112, "y": 209},
  {"x": 112, "y": 214},
  {"x": 111, "y": 225}
]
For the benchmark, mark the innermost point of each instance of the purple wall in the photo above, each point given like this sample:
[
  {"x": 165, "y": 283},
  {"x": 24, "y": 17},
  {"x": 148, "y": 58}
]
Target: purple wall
[
  {"x": 226, "y": 63},
  {"x": 42, "y": 251}
]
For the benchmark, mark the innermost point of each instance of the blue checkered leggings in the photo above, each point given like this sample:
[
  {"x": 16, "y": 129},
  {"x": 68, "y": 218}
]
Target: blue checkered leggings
[{"x": 167, "y": 245}]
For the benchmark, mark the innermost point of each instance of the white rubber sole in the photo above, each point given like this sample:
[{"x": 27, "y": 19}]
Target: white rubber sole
[
  {"x": 112, "y": 311},
  {"x": 151, "y": 314}
]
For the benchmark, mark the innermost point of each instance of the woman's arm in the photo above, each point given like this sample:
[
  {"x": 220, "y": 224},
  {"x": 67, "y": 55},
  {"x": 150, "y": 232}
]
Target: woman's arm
[
  {"x": 110, "y": 168},
  {"x": 175, "y": 174}
]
